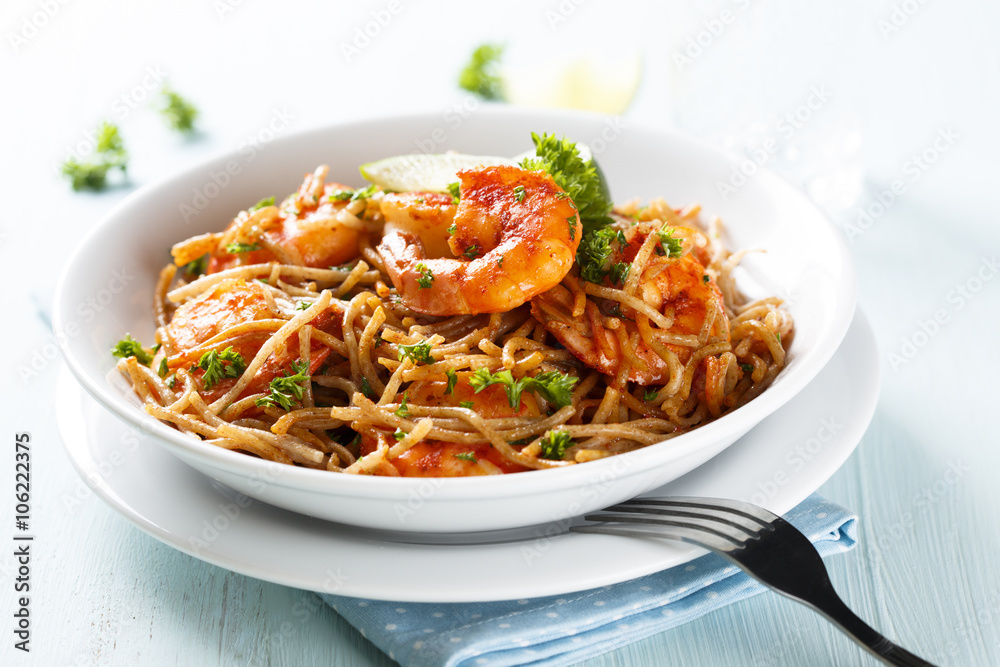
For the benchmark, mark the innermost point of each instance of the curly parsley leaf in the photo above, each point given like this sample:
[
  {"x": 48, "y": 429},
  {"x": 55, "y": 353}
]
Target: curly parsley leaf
[
  {"x": 555, "y": 387},
  {"x": 220, "y": 365},
  {"x": 466, "y": 456},
  {"x": 554, "y": 445},
  {"x": 129, "y": 347},
  {"x": 579, "y": 178},
  {"x": 403, "y": 410},
  {"x": 481, "y": 75},
  {"x": 452, "y": 381},
  {"x": 286, "y": 389}
]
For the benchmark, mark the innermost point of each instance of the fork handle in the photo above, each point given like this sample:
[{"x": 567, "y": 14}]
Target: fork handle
[{"x": 833, "y": 608}]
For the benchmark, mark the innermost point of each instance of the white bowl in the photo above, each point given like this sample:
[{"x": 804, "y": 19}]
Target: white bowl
[{"x": 106, "y": 290}]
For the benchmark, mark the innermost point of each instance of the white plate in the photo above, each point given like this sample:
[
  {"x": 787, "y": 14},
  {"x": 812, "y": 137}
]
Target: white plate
[
  {"x": 777, "y": 465},
  {"x": 117, "y": 265}
]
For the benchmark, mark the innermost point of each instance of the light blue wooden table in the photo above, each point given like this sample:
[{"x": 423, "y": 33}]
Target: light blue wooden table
[{"x": 914, "y": 86}]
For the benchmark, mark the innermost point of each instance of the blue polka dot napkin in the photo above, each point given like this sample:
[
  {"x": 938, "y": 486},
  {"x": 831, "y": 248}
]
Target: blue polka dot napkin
[{"x": 564, "y": 629}]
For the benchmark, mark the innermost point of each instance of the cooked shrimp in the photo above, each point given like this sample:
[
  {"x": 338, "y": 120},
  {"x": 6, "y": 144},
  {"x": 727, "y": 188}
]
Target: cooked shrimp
[
  {"x": 430, "y": 458},
  {"x": 515, "y": 236},
  {"x": 224, "y": 316},
  {"x": 312, "y": 227},
  {"x": 676, "y": 308}
]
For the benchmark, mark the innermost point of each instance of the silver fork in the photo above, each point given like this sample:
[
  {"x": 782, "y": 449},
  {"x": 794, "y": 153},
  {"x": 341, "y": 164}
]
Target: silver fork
[{"x": 764, "y": 545}]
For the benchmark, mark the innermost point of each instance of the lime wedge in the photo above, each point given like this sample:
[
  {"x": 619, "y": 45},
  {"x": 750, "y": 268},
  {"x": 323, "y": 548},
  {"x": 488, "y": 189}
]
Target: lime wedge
[
  {"x": 424, "y": 172},
  {"x": 588, "y": 81}
]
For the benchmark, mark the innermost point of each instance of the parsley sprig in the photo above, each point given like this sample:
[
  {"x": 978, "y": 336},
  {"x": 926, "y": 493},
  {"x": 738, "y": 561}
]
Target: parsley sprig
[
  {"x": 220, "y": 365},
  {"x": 555, "y": 387},
  {"x": 129, "y": 347},
  {"x": 109, "y": 153},
  {"x": 177, "y": 111},
  {"x": 481, "y": 75},
  {"x": 579, "y": 178},
  {"x": 594, "y": 256},
  {"x": 286, "y": 389}
]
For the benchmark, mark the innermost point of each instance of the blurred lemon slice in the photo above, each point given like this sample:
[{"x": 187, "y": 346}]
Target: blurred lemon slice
[
  {"x": 590, "y": 81},
  {"x": 424, "y": 172}
]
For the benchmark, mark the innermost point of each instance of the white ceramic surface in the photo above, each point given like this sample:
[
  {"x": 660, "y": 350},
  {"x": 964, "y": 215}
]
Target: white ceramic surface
[
  {"x": 777, "y": 464},
  {"x": 106, "y": 291}
]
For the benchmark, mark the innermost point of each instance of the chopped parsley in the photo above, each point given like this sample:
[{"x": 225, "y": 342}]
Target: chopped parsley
[
  {"x": 426, "y": 277},
  {"x": 366, "y": 388},
  {"x": 418, "y": 352},
  {"x": 109, "y": 153},
  {"x": 468, "y": 405},
  {"x": 237, "y": 248},
  {"x": 215, "y": 366},
  {"x": 303, "y": 305},
  {"x": 467, "y": 456},
  {"x": 399, "y": 434},
  {"x": 650, "y": 394},
  {"x": 472, "y": 252},
  {"x": 619, "y": 272},
  {"x": 354, "y": 195},
  {"x": 481, "y": 74},
  {"x": 287, "y": 388},
  {"x": 555, "y": 387},
  {"x": 554, "y": 445},
  {"x": 177, "y": 111},
  {"x": 705, "y": 278},
  {"x": 198, "y": 266},
  {"x": 519, "y": 193},
  {"x": 669, "y": 246},
  {"x": 747, "y": 368},
  {"x": 163, "y": 369},
  {"x": 561, "y": 158},
  {"x": 454, "y": 189},
  {"x": 452, "y": 229},
  {"x": 452, "y": 381},
  {"x": 129, "y": 347},
  {"x": 403, "y": 410},
  {"x": 571, "y": 221},
  {"x": 267, "y": 201}
]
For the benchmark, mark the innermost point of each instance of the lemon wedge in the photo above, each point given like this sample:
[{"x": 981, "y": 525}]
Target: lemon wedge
[
  {"x": 424, "y": 172},
  {"x": 592, "y": 82}
]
